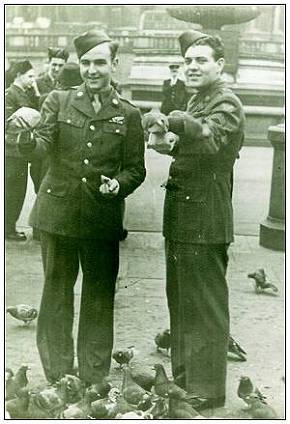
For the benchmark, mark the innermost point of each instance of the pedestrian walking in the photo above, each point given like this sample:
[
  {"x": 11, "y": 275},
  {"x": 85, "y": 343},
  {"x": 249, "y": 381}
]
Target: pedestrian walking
[
  {"x": 22, "y": 92},
  {"x": 174, "y": 92},
  {"x": 198, "y": 219},
  {"x": 95, "y": 143}
]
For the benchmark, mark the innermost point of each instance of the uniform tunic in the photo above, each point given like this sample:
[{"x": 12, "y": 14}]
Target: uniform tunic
[
  {"x": 79, "y": 224},
  {"x": 15, "y": 166},
  {"x": 198, "y": 227}
]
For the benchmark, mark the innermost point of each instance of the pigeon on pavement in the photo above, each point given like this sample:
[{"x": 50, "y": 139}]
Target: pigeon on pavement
[
  {"x": 143, "y": 377},
  {"x": 131, "y": 391},
  {"x": 163, "y": 340},
  {"x": 246, "y": 388},
  {"x": 164, "y": 387},
  {"x": 18, "y": 407},
  {"x": 258, "y": 408},
  {"x": 25, "y": 313},
  {"x": 261, "y": 281},
  {"x": 123, "y": 356},
  {"x": 236, "y": 349},
  {"x": 180, "y": 408}
]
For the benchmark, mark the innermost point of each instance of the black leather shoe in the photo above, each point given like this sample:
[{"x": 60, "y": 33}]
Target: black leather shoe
[
  {"x": 16, "y": 236},
  {"x": 200, "y": 404}
]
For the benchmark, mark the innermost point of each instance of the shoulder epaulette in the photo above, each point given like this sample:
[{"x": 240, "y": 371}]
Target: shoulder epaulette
[{"x": 126, "y": 100}]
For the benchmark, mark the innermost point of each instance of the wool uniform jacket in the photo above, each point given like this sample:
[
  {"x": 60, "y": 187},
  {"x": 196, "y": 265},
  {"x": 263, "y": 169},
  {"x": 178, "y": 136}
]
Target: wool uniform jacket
[
  {"x": 198, "y": 207},
  {"x": 82, "y": 146}
]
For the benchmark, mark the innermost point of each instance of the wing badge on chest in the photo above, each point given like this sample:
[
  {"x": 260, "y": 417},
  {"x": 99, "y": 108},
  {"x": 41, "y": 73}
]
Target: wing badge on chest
[{"x": 120, "y": 120}]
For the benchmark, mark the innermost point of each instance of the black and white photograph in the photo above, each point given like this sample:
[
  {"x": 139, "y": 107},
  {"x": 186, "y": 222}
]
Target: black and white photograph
[{"x": 144, "y": 211}]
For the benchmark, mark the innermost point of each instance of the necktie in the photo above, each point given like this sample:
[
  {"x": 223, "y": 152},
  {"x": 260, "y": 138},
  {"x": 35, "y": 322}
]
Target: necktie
[{"x": 96, "y": 103}]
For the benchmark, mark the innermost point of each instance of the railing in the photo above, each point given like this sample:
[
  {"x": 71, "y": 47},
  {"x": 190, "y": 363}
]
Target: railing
[{"x": 153, "y": 43}]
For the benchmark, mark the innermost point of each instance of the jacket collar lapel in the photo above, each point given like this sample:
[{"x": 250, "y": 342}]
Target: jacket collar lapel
[{"x": 83, "y": 103}]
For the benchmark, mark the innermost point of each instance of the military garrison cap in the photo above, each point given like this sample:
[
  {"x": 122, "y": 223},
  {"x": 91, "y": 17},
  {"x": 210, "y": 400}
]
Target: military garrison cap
[
  {"x": 88, "y": 40},
  {"x": 187, "y": 38},
  {"x": 69, "y": 75},
  {"x": 21, "y": 67},
  {"x": 57, "y": 52}
]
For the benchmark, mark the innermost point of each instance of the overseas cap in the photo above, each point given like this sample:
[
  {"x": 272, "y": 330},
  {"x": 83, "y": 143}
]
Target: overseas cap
[
  {"x": 69, "y": 75},
  {"x": 88, "y": 40},
  {"x": 187, "y": 38},
  {"x": 21, "y": 67},
  {"x": 57, "y": 52}
]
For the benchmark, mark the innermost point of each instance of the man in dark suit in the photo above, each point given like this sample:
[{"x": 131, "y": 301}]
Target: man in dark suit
[
  {"x": 95, "y": 142},
  {"x": 174, "y": 92},
  {"x": 198, "y": 219}
]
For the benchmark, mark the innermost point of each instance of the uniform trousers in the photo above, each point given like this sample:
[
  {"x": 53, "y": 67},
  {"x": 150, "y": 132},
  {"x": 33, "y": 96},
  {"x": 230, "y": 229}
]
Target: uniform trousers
[
  {"x": 99, "y": 262},
  {"x": 16, "y": 170},
  {"x": 197, "y": 297}
]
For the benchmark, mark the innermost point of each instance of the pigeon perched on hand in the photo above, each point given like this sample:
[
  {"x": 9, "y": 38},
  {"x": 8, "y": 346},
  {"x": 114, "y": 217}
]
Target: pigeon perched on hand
[
  {"x": 123, "y": 356},
  {"x": 163, "y": 340},
  {"x": 25, "y": 313},
  {"x": 258, "y": 408},
  {"x": 236, "y": 349},
  {"x": 261, "y": 281},
  {"x": 155, "y": 122}
]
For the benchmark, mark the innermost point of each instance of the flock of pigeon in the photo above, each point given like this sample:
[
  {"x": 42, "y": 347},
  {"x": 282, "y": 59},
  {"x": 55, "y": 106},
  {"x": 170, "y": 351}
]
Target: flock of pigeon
[{"x": 145, "y": 393}]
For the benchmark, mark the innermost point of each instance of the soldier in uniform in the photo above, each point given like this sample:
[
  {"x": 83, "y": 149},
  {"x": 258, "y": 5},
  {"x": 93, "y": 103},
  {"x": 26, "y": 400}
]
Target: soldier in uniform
[
  {"x": 22, "y": 92},
  {"x": 48, "y": 81},
  {"x": 174, "y": 92},
  {"x": 95, "y": 142},
  {"x": 198, "y": 220}
]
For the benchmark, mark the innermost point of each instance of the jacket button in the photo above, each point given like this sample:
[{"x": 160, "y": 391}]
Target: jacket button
[
  {"x": 170, "y": 178},
  {"x": 89, "y": 144},
  {"x": 84, "y": 180},
  {"x": 117, "y": 131},
  {"x": 80, "y": 94},
  {"x": 187, "y": 197},
  {"x": 48, "y": 190},
  {"x": 173, "y": 160},
  {"x": 68, "y": 121},
  {"x": 115, "y": 102},
  {"x": 92, "y": 128},
  {"x": 86, "y": 161}
]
